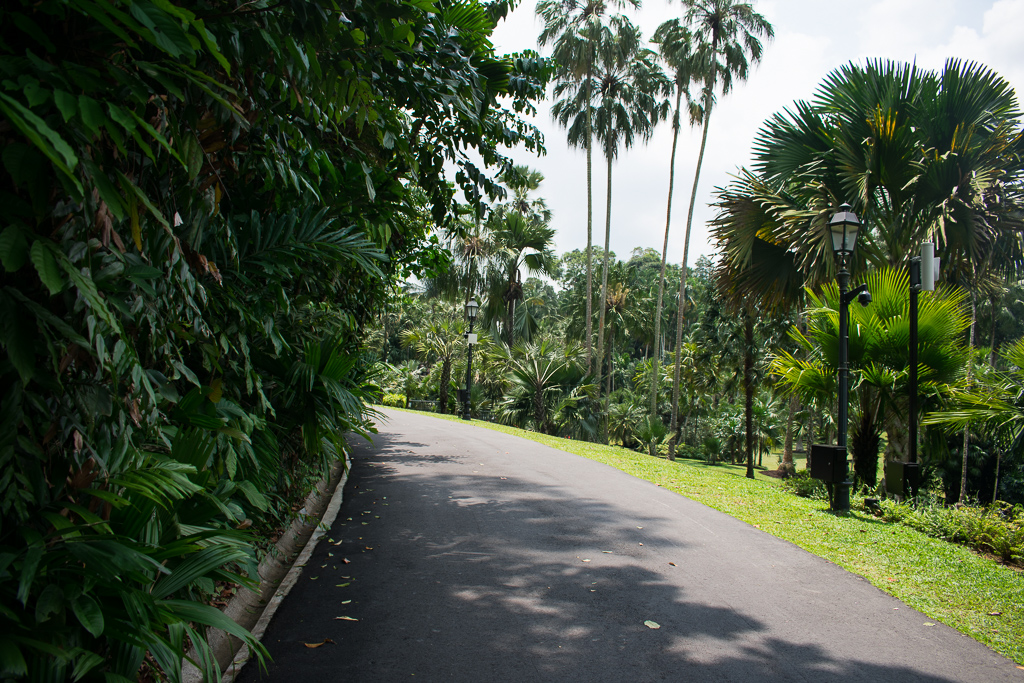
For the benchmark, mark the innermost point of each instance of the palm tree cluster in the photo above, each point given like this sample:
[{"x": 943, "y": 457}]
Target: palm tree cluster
[{"x": 750, "y": 369}]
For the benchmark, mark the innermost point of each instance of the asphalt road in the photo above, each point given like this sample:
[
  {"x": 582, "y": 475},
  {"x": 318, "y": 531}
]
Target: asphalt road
[{"x": 477, "y": 556}]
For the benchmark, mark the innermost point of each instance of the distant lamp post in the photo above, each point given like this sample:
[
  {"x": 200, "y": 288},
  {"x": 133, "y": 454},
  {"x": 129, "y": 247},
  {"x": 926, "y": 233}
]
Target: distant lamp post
[
  {"x": 471, "y": 310},
  {"x": 844, "y": 226}
]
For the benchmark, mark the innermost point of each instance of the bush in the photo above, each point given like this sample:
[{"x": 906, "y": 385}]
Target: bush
[
  {"x": 803, "y": 485},
  {"x": 998, "y": 528},
  {"x": 394, "y": 400}
]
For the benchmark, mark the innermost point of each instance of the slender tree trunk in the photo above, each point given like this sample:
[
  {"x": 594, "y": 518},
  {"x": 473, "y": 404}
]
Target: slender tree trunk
[
  {"x": 967, "y": 431},
  {"x": 655, "y": 375},
  {"x": 993, "y": 302},
  {"x": 682, "y": 282},
  {"x": 748, "y": 387},
  {"x": 604, "y": 294},
  {"x": 590, "y": 224},
  {"x": 788, "y": 468},
  {"x": 446, "y": 378}
]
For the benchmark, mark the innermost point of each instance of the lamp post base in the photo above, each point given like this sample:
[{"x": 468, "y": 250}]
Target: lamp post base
[{"x": 841, "y": 501}]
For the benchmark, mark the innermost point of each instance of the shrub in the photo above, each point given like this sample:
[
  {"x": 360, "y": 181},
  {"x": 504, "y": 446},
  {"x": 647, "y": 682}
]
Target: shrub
[
  {"x": 998, "y": 528},
  {"x": 803, "y": 485},
  {"x": 394, "y": 400}
]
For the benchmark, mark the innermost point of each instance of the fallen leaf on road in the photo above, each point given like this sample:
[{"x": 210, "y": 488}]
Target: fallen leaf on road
[
  {"x": 369, "y": 548},
  {"x": 607, "y": 552},
  {"x": 928, "y": 623},
  {"x": 313, "y": 578},
  {"x": 641, "y": 544},
  {"x": 672, "y": 564},
  {"x": 652, "y": 624},
  {"x": 324, "y": 642},
  {"x": 341, "y": 585},
  {"x": 586, "y": 560},
  {"x": 347, "y": 561},
  {"x": 639, "y": 527},
  {"x": 346, "y": 618},
  {"x": 345, "y": 602}
]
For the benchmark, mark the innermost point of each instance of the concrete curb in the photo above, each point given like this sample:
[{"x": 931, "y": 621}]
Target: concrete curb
[{"x": 279, "y": 571}]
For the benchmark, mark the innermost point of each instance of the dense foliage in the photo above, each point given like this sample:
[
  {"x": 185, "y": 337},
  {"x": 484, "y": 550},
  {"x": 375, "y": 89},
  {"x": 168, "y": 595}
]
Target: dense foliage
[{"x": 204, "y": 203}]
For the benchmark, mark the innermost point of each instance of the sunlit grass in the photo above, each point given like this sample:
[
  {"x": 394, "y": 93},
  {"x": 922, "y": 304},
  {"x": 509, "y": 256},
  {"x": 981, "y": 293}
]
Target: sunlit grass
[{"x": 950, "y": 583}]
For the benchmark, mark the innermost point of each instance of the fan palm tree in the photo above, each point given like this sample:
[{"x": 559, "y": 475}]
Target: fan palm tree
[
  {"x": 676, "y": 49},
  {"x": 539, "y": 372},
  {"x": 441, "y": 341},
  {"x": 921, "y": 154},
  {"x": 878, "y": 350},
  {"x": 574, "y": 26},
  {"x": 727, "y": 39}
]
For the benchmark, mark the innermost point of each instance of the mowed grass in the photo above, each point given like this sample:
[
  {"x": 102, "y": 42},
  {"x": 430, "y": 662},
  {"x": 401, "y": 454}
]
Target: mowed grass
[{"x": 971, "y": 593}]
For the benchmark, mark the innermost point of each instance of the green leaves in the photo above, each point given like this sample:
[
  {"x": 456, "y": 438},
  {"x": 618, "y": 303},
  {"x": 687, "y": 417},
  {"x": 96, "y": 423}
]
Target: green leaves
[{"x": 42, "y": 256}]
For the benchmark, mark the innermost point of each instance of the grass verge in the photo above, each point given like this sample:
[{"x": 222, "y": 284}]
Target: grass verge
[{"x": 971, "y": 593}]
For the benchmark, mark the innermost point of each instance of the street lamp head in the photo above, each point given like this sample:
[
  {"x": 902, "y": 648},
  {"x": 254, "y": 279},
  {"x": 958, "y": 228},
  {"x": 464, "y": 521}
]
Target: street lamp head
[
  {"x": 844, "y": 226},
  {"x": 471, "y": 308}
]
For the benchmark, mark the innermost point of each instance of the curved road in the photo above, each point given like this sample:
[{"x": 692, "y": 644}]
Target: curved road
[{"x": 477, "y": 556}]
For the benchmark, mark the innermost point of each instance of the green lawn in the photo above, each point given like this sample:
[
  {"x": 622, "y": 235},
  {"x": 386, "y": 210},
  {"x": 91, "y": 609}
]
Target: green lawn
[{"x": 950, "y": 583}]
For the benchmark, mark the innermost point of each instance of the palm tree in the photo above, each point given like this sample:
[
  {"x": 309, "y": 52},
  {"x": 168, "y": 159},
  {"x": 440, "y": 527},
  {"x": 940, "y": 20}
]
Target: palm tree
[
  {"x": 440, "y": 340},
  {"x": 921, "y": 154},
  {"x": 574, "y": 26},
  {"x": 630, "y": 86},
  {"x": 994, "y": 405},
  {"x": 879, "y": 355},
  {"x": 727, "y": 36},
  {"x": 675, "y": 47},
  {"x": 539, "y": 373},
  {"x": 517, "y": 243}
]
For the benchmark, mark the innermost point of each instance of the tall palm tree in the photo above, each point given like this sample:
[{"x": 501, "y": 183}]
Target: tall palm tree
[
  {"x": 727, "y": 36},
  {"x": 630, "y": 88},
  {"x": 574, "y": 27},
  {"x": 676, "y": 49}
]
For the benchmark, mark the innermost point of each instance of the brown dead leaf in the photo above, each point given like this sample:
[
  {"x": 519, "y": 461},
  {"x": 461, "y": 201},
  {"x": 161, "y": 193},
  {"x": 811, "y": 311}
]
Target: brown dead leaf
[
  {"x": 323, "y": 642},
  {"x": 672, "y": 564}
]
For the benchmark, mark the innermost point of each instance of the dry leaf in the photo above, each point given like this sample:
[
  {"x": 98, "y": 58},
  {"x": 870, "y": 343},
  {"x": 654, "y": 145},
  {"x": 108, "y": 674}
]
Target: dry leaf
[
  {"x": 652, "y": 624},
  {"x": 347, "y": 561},
  {"x": 586, "y": 560},
  {"x": 345, "y": 619},
  {"x": 323, "y": 642},
  {"x": 672, "y": 564}
]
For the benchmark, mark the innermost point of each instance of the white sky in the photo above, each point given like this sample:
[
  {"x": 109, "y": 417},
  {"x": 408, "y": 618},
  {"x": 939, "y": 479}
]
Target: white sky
[{"x": 812, "y": 38}]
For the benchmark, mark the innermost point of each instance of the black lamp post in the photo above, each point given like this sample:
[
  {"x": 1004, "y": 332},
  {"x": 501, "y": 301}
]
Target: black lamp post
[
  {"x": 471, "y": 308},
  {"x": 844, "y": 226}
]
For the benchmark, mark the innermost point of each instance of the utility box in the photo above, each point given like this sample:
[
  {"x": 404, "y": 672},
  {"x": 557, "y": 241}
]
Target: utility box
[
  {"x": 902, "y": 478},
  {"x": 894, "y": 477},
  {"x": 828, "y": 463}
]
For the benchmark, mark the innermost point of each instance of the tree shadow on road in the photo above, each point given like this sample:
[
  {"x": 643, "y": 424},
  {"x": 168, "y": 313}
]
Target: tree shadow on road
[{"x": 477, "y": 577}]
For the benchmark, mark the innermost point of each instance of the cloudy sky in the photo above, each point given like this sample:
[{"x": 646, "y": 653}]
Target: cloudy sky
[{"x": 812, "y": 37}]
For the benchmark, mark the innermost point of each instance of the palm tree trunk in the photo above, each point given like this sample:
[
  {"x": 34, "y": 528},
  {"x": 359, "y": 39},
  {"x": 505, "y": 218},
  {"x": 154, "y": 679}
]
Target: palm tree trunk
[
  {"x": 748, "y": 387},
  {"x": 788, "y": 468},
  {"x": 710, "y": 88},
  {"x": 655, "y": 375},
  {"x": 604, "y": 292},
  {"x": 590, "y": 223},
  {"x": 446, "y": 378},
  {"x": 967, "y": 431}
]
